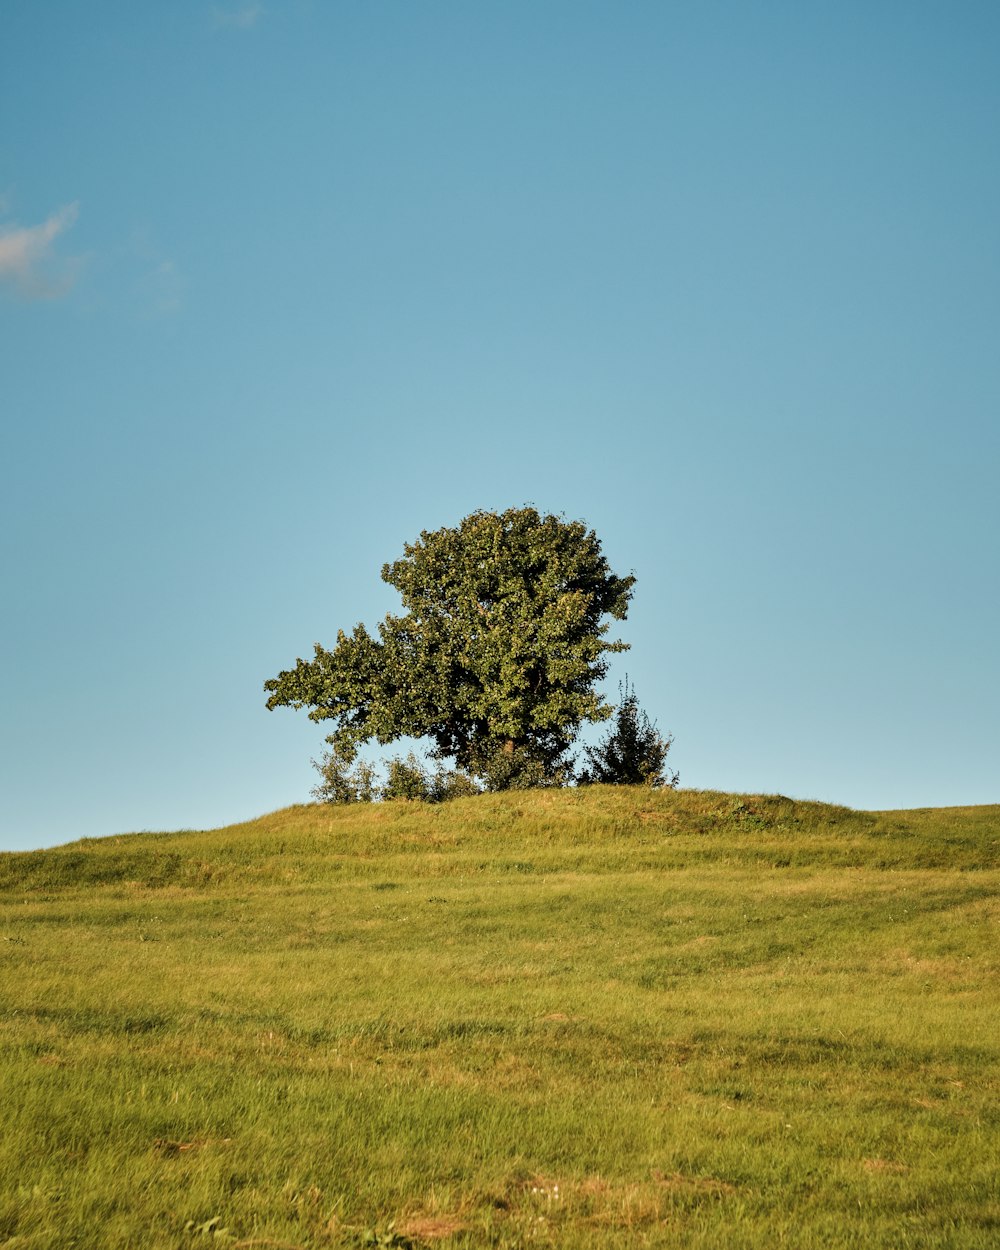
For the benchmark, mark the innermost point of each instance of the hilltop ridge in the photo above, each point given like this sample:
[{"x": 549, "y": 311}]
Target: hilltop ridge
[{"x": 596, "y": 826}]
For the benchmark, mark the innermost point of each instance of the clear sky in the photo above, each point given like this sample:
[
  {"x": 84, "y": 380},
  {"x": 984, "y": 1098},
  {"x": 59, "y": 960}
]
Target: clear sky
[{"x": 284, "y": 283}]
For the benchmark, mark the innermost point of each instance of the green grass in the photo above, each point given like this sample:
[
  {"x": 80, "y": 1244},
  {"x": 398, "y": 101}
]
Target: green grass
[{"x": 569, "y": 1018}]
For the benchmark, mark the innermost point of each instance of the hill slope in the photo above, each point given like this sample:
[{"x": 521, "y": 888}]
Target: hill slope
[
  {"x": 636, "y": 827},
  {"x": 578, "y": 1018}
]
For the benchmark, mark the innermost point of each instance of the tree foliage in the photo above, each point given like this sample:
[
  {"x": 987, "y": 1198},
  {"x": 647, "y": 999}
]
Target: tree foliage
[
  {"x": 495, "y": 659},
  {"x": 632, "y": 753}
]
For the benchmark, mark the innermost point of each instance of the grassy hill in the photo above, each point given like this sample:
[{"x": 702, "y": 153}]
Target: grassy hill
[{"x": 568, "y": 1018}]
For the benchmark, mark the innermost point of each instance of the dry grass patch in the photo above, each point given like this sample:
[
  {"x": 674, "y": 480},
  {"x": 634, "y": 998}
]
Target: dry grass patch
[
  {"x": 699, "y": 1184},
  {"x": 432, "y": 1227}
]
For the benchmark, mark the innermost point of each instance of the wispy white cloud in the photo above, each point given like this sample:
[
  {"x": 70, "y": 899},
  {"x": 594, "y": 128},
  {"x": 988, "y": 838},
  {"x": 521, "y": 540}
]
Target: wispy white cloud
[
  {"x": 27, "y": 261},
  {"x": 243, "y": 18}
]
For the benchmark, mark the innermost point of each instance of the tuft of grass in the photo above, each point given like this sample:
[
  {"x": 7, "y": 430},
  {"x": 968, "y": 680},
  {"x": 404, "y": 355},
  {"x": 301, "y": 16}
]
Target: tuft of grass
[{"x": 605, "y": 1017}]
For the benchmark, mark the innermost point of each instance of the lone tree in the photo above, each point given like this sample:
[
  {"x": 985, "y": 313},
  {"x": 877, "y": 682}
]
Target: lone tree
[
  {"x": 495, "y": 660},
  {"x": 633, "y": 752}
]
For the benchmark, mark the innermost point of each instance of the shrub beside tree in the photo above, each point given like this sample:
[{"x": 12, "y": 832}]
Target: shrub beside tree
[
  {"x": 344, "y": 781},
  {"x": 632, "y": 753}
]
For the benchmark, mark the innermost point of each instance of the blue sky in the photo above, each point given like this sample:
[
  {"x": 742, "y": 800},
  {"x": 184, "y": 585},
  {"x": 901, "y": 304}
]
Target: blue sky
[{"x": 283, "y": 284}]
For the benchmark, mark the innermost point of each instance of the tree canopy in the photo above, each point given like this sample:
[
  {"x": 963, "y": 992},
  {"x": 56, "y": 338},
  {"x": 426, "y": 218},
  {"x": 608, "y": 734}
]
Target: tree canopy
[{"x": 495, "y": 659}]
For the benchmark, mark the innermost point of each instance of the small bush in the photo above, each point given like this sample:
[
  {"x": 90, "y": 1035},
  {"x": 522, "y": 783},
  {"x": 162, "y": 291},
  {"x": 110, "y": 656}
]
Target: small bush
[
  {"x": 633, "y": 753},
  {"x": 407, "y": 779},
  {"x": 450, "y": 783},
  {"x": 510, "y": 767},
  {"x": 344, "y": 780},
  {"x": 413, "y": 778}
]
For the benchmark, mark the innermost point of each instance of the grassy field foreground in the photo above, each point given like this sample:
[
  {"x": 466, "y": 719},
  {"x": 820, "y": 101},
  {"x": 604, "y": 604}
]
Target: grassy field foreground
[{"x": 569, "y": 1018}]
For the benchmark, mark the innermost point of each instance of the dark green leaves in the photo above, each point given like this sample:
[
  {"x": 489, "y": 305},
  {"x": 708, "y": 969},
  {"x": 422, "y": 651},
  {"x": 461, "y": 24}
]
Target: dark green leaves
[
  {"x": 633, "y": 752},
  {"x": 496, "y": 659}
]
